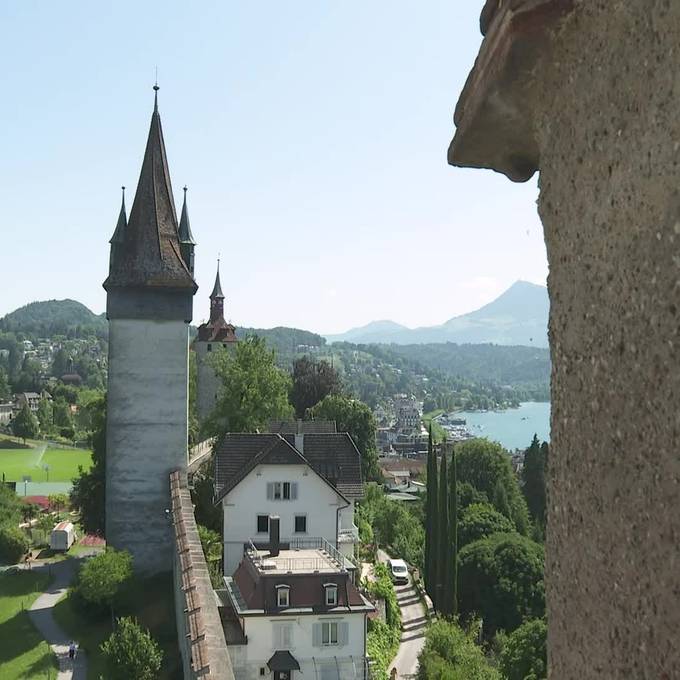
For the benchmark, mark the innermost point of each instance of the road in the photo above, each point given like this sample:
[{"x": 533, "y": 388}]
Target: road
[{"x": 414, "y": 623}]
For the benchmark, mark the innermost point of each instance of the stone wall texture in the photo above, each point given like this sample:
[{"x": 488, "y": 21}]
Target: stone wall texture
[
  {"x": 146, "y": 437},
  {"x": 608, "y": 126}
]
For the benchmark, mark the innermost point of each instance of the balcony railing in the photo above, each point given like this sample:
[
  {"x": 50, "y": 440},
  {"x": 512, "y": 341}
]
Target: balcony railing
[{"x": 350, "y": 535}]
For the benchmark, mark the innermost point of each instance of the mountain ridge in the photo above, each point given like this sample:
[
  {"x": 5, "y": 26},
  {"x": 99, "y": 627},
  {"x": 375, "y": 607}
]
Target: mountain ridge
[{"x": 518, "y": 316}]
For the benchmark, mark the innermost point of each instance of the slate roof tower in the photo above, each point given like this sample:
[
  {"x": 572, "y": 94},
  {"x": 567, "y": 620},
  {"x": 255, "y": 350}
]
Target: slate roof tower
[
  {"x": 150, "y": 289},
  {"x": 215, "y": 334}
]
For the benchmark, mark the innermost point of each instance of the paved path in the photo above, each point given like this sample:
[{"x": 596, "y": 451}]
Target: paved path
[
  {"x": 63, "y": 574},
  {"x": 413, "y": 623}
]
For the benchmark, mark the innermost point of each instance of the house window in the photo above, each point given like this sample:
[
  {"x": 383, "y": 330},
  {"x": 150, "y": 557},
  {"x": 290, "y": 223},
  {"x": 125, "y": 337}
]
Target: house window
[
  {"x": 209, "y": 347},
  {"x": 283, "y": 596},
  {"x": 263, "y": 671},
  {"x": 300, "y": 524},
  {"x": 329, "y": 633},
  {"x": 331, "y": 595},
  {"x": 262, "y": 524},
  {"x": 282, "y": 491}
]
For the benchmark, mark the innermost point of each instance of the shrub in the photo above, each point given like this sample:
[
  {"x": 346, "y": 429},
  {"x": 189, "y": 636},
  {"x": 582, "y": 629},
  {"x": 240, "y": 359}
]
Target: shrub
[
  {"x": 480, "y": 520},
  {"x": 102, "y": 578},
  {"x": 524, "y": 655},
  {"x": 131, "y": 652},
  {"x": 451, "y": 654},
  {"x": 500, "y": 578},
  {"x": 13, "y": 543}
]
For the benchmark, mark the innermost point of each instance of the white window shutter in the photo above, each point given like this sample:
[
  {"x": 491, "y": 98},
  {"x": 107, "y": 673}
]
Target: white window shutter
[
  {"x": 276, "y": 635},
  {"x": 270, "y": 491},
  {"x": 316, "y": 635},
  {"x": 343, "y": 633},
  {"x": 293, "y": 490},
  {"x": 286, "y": 636}
]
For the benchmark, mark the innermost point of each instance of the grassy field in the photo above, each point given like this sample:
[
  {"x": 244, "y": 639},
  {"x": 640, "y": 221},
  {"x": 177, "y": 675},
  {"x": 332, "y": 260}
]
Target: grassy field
[
  {"x": 15, "y": 463},
  {"x": 150, "y": 601},
  {"x": 24, "y": 655}
]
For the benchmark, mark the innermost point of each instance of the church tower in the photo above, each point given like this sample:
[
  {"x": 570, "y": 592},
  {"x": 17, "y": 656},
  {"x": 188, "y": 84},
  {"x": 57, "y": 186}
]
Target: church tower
[
  {"x": 214, "y": 335},
  {"x": 150, "y": 289}
]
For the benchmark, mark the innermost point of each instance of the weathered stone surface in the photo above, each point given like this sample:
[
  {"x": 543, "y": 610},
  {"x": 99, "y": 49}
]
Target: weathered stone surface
[
  {"x": 146, "y": 435},
  {"x": 609, "y": 135},
  {"x": 604, "y": 118},
  {"x": 495, "y": 115}
]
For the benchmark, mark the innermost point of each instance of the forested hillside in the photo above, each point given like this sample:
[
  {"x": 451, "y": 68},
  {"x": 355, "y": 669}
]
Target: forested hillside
[{"x": 54, "y": 317}]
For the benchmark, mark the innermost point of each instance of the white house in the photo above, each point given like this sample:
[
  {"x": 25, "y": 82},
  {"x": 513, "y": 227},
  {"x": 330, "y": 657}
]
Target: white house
[
  {"x": 294, "y": 613},
  {"x": 309, "y": 480}
]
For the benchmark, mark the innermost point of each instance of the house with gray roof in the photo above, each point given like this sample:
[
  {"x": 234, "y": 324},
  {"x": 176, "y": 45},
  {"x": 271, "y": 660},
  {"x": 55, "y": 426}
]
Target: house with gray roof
[{"x": 310, "y": 480}]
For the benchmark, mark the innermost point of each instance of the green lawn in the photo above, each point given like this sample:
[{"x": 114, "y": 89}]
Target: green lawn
[
  {"x": 15, "y": 463},
  {"x": 24, "y": 655},
  {"x": 151, "y": 601}
]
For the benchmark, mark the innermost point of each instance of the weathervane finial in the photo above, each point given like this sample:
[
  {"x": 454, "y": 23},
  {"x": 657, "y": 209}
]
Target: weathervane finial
[{"x": 155, "y": 90}]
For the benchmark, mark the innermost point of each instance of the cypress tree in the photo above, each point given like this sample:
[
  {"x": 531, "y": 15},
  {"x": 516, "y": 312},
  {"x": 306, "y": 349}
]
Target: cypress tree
[
  {"x": 432, "y": 509},
  {"x": 443, "y": 561},
  {"x": 452, "y": 595}
]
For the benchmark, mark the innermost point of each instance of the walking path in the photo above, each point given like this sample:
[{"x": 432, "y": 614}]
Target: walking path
[
  {"x": 40, "y": 613},
  {"x": 413, "y": 623}
]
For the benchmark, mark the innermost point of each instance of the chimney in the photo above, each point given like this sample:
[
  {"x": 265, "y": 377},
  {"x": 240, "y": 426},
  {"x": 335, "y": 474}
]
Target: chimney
[
  {"x": 274, "y": 521},
  {"x": 300, "y": 443}
]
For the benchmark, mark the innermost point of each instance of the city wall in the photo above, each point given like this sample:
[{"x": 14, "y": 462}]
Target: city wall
[{"x": 199, "y": 628}]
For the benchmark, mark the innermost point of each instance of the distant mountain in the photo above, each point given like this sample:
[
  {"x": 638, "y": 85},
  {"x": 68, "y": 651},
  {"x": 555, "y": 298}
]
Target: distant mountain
[
  {"x": 519, "y": 316},
  {"x": 370, "y": 330},
  {"x": 54, "y": 317}
]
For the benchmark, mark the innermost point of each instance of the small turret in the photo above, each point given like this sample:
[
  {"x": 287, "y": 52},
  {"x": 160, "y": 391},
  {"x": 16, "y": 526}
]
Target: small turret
[
  {"x": 118, "y": 237},
  {"x": 186, "y": 239}
]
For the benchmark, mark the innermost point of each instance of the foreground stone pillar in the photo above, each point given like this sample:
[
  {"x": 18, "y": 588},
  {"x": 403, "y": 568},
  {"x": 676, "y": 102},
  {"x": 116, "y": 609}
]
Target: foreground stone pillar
[{"x": 589, "y": 92}]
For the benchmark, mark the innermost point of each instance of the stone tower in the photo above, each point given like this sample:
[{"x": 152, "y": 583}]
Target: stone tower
[
  {"x": 212, "y": 336},
  {"x": 150, "y": 289}
]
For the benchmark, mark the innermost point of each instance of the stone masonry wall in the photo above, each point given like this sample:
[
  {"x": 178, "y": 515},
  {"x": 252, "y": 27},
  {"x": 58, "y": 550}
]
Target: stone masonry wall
[
  {"x": 199, "y": 628},
  {"x": 609, "y": 134}
]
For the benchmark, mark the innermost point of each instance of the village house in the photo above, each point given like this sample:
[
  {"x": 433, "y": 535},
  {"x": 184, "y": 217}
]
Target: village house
[
  {"x": 307, "y": 475},
  {"x": 294, "y": 612}
]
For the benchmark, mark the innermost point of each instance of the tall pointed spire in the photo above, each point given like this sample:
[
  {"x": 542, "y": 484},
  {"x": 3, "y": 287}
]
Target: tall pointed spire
[
  {"x": 151, "y": 255},
  {"x": 217, "y": 293},
  {"x": 119, "y": 233},
  {"x": 185, "y": 235},
  {"x": 217, "y": 329}
]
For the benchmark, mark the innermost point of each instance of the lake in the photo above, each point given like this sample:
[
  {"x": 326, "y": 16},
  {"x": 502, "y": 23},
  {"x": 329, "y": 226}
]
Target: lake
[{"x": 513, "y": 428}]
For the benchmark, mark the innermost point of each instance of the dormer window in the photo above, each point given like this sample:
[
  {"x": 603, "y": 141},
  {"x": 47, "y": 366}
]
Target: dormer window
[
  {"x": 283, "y": 596},
  {"x": 331, "y": 594}
]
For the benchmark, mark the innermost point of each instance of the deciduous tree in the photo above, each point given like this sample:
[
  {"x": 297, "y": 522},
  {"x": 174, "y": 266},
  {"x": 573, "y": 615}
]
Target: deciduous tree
[
  {"x": 500, "y": 578},
  {"x": 312, "y": 382},
  {"x": 486, "y": 465},
  {"x": 524, "y": 654},
  {"x": 253, "y": 390},
  {"x": 25, "y": 424},
  {"x": 131, "y": 652},
  {"x": 89, "y": 487},
  {"x": 102, "y": 578},
  {"x": 352, "y": 416},
  {"x": 480, "y": 520}
]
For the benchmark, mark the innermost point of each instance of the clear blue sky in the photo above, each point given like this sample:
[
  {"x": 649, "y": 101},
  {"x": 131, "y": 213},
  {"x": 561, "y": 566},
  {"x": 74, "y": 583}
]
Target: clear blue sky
[{"x": 312, "y": 136}]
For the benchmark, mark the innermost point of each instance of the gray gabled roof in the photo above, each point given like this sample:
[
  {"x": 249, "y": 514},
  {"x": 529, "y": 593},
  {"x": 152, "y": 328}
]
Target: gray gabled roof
[{"x": 337, "y": 462}]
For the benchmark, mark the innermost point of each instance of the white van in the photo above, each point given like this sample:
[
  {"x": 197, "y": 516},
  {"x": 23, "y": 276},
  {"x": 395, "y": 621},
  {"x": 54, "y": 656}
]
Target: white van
[
  {"x": 398, "y": 571},
  {"x": 62, "y": 536}
]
